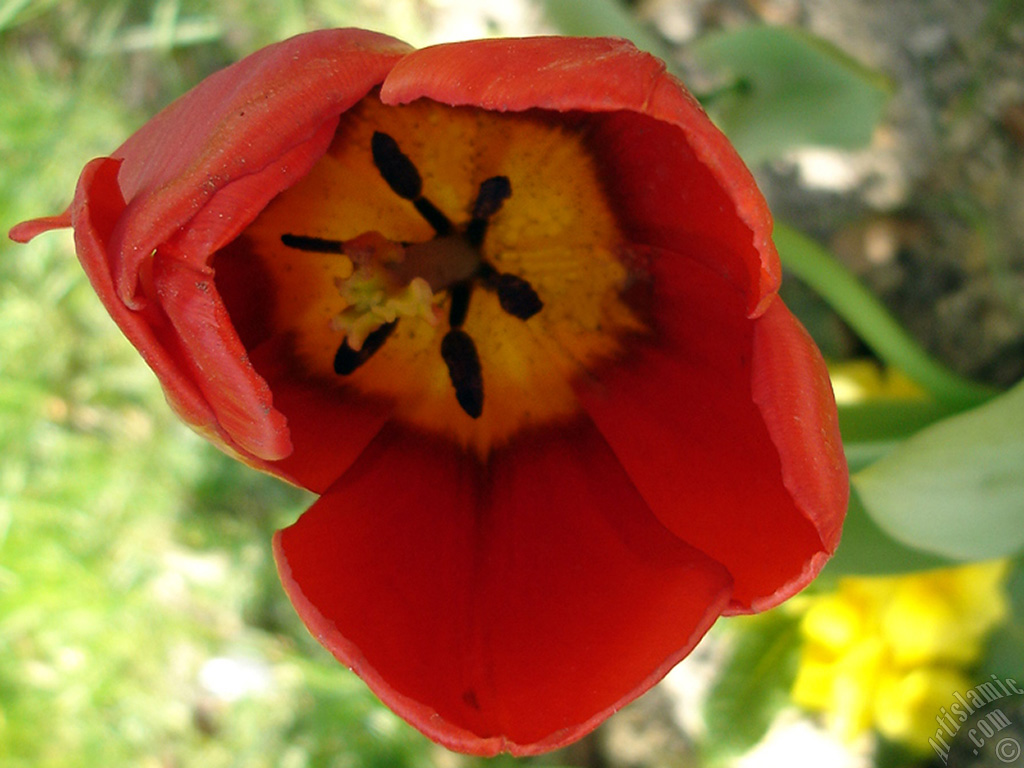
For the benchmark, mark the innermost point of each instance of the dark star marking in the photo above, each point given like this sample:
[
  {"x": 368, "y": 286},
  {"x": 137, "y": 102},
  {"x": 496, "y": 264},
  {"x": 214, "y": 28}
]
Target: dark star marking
[
  {"x": 433, "y": 215},
  {"x": 515, "y": 295}
]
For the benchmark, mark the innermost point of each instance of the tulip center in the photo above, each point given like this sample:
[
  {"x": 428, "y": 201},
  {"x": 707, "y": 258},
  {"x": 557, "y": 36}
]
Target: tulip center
[
  {"x": 389, "y": 280},
  {"x": 463, "y": 264}
]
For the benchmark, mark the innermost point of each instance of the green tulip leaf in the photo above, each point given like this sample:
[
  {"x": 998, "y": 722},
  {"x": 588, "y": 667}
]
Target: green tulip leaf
[
  {"x": 752, "y": 686},
  {"x": 957, "y": 487},
  {"x": 866, "y": 550},
  {"x": 867, "y": 316},
  {"x": 788, "y": 89}
]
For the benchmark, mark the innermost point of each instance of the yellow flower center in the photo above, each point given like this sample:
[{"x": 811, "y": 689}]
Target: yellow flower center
[{"x": 461, "y": 263}]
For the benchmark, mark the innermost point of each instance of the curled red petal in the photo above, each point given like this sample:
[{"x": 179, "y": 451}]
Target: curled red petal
[
  {"x": 148, "y": 220},
  {"x": 675, "y": 179},
  {"x": 792, "y": 390},
  {"x": 209, "y": 353},
  {"x": 680, "y": 415},
  {"x": 97, "y": 206},
  {"x": 498, "y": 607}
]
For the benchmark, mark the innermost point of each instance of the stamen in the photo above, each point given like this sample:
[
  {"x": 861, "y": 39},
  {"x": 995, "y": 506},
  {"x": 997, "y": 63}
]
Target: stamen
[
  {"x": 347, "y": 360},
  {"x": 313, "y": 244},
  {"x": 405, "y": 181},
  {"x": 459, "y": 353},
  {"x": 515, "y": 295},
  {"x": 459, "y": 293},
  {"x": 493, "y": 192}
]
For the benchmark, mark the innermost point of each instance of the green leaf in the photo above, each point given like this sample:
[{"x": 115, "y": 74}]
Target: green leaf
[
  {"x": 866, "y": 550},
  {"x": 884, "y": 419},
  {"x": 789, "y": 90},
  {"x": 752, "y": 686},
  {"x": 869, "y": 318},
  {"x": 873, "y": 428},
  {"x": 957, "y": 487}
]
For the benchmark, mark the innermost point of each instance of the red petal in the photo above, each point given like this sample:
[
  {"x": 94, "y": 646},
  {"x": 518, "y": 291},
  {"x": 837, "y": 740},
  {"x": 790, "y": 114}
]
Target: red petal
[
  {"x": 97, "y": 206},
  {"x": 214, "y": 360},
  {"x": 680, "y": 415},
  {"x": 512, "y": 606},
  {"x": 98, "y": 203},
  {"x": 791, "y": 387},
  {"x": 148, "y": 220},
  {"x": 677, "y": 182}
]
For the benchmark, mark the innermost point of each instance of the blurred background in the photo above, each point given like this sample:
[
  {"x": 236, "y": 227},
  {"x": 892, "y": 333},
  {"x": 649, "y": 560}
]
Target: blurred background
[{"x": 141, "y": 620}]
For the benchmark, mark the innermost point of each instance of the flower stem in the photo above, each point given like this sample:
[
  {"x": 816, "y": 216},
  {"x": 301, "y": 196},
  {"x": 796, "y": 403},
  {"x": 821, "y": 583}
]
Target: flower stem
[{"x": 866, "y": 315}]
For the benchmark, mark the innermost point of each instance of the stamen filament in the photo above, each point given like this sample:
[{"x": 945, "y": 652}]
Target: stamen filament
[
  {"x": 435, "y": 218},
  {"x": 347, "y": 360},
  {"x": 459, "y": 293},
  {"x": 313, "y": 244}
]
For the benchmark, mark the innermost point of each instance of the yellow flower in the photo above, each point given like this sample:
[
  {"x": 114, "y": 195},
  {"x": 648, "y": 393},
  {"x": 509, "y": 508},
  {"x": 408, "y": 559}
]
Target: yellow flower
[
  {"x": 906, "y": 704},
  {"x": 859, "y": 380},
  {"x": 888, "y": 653}
]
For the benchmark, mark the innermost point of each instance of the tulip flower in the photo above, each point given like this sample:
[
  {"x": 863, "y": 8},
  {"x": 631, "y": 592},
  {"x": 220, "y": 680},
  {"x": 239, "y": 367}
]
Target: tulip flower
[{"x": 509, "y": 307}]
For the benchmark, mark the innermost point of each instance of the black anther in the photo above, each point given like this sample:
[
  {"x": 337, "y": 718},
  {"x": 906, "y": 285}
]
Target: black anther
[
  {"x": 517, "y": 297},
  {"x": 405, "y": 181},
  {"x": 347, "y": 360},
  {"x": 493, "y": 192},
  {"x": 459, "y": 354},
  {"x": 395, "y": 167}
]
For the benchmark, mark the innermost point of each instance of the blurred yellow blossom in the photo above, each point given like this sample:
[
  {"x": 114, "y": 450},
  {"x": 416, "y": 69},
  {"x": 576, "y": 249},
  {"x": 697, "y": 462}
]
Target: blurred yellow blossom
[
  {"x": 888, "y": 653},
  {"x": 854, "y": 381}
]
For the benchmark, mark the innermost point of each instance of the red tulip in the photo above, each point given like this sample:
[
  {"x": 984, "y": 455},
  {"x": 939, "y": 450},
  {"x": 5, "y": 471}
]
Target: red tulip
[{"x": 510, "y": 307}]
